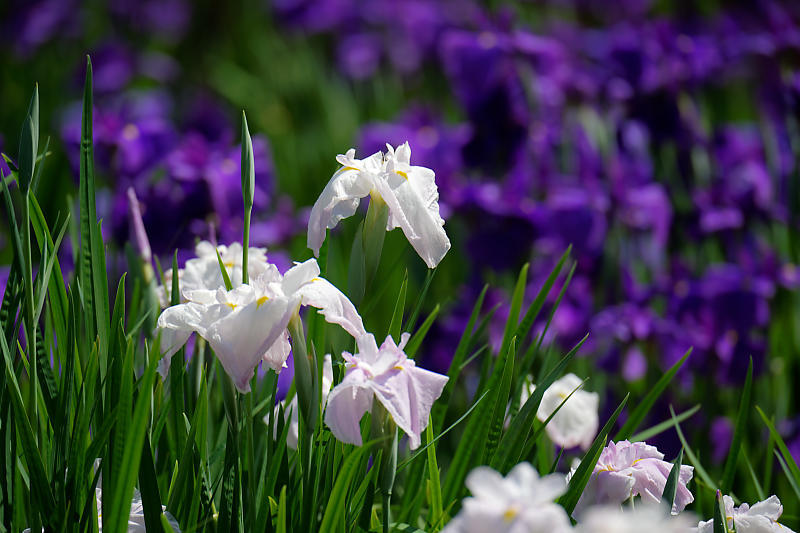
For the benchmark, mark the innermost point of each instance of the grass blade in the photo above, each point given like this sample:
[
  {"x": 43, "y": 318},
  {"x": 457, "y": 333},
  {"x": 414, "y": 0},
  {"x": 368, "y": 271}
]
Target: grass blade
[
  {"x": 334, "y": 518},
  {"x": 741, "y": 425},
  {"x": 663, "y": 426},
  {"x": 132, "y": 454},
  {"x": 701, "y": 472},
  {"x": 671, "y": 486},
  {"x": 787, "y": 455},
  {"x": 399, "y": 307},
  {"x": 416, "y": 340},
  {"x": 581, "y": 476}
]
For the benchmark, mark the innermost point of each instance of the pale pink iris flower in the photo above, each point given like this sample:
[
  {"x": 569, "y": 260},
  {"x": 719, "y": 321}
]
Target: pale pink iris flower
[
  {"x": 386, "y": 373},
  {"x": 627, "y": 469}
]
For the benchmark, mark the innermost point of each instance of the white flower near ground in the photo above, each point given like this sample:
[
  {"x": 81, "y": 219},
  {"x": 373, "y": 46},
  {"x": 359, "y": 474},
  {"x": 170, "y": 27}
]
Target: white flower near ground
[
  {"x": 627, "y": 469},
  {"x": 203, "y": 271},
  {"x": 576, "y": 422},
  {"x": 248, "y": 323},
  {"x": 409, "y": 191},
  {"x": 290, "y": 410},
  {"x": 614, "y": 519},
  {"x": 386, "y": 373},
  {"x": 522, "y": 502},
  {"x": 762, "y": 517}
]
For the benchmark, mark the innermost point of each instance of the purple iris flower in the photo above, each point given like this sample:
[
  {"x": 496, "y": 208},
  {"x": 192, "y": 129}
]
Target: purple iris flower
[
  {"x": 35, "y": 23},
  {"x": 132, "y": 133},
  {"x": 722, "y": 315},
  {"x": 483, "y": 73},
  {"x": 166, "y": 19},
  {"x": 359, "y": 55}
]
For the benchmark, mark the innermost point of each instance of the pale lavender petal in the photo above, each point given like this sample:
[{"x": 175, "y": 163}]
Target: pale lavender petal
[
  {"x": 333, "y": 305},
  {"x": 339, "y": 199},
  {"x": 347, "y": 403}
]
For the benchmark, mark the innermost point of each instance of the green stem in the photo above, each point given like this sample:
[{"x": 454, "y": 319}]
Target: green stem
[
  {"x": 305, "y": 375},
  {"x": 248, "y": 459},
  {"x": 246, "y": 244},
  {"x": 383, "y": 427},
  {"x": 374, "y": 235}
]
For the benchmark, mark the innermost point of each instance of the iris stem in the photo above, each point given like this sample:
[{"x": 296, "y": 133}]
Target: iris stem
[
  {"x": 384, "y": 428},
  {"x": 305, "y": 375},
  {"x": 246, "y": 244}
]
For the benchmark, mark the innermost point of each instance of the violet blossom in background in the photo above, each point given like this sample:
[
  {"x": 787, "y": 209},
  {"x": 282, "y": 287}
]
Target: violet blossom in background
[{"x": 34, "y": 24}]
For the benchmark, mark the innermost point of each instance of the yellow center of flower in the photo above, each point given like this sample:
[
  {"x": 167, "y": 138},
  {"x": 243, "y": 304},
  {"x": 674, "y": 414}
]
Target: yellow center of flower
[
  {"x": 232, "y": 306},
  {"x": 261, "y": 301},
  {"x": 511, "y": 513}
]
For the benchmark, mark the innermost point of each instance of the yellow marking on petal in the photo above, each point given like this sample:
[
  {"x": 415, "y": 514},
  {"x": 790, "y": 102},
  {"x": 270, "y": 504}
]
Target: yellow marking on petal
[
  {"x": 397, "y": 367},
  {"x": 261, "y": 301},
  {"x": 232, "y": 306},
  {"x": 228, "y": 264},
  {"x": 511, "y": 513},
  {"x": 402, "y": 174},
  {"x": 348, "y": 168}
]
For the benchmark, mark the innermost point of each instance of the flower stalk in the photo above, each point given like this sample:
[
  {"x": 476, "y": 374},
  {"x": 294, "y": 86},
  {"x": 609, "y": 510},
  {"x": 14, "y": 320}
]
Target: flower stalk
[
  {"x": 305, "y": 375},
  {"x": 373, "y": 236},
  {"x": 248, "y": 186},
  {"x": 384, "y": 429}
]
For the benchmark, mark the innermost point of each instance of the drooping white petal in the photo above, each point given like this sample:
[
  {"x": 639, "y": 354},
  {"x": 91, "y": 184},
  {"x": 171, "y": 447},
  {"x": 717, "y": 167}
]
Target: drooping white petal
[
  {"x": 339, "y": 199},
  {"x": 175, "y": 325},
  {"x": 408, "y": 396},
  {"x": 347, "y": 403},
  {"x": 241, "y": 338},
  {"x": 413, "y": 207},
  {"x": 333, "y": 304},
  {"x": 276, "y": 355},
  {"x": 299, "y": 275}
]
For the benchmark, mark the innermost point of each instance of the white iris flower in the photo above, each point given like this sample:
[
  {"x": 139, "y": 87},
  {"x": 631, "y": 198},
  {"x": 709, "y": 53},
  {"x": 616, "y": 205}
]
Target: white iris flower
[{"x": 410, "y": 193}]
